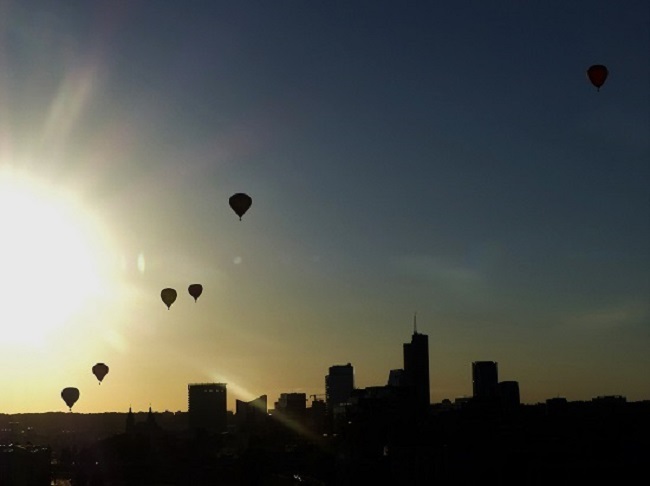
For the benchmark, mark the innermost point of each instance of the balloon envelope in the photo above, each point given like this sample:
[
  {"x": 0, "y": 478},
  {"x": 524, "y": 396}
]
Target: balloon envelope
[
  {"x": 240, "y": 203},
  {"x": 168, "y": 296},
  {"x": 70, "y": 396},
  {"x": 195, "y": 290},
  {"x": 597, "y": 74},
  {"x": 100, "y": 370}
]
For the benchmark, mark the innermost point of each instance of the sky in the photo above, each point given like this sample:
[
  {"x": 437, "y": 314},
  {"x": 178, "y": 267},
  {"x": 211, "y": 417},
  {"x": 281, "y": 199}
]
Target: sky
[{"x": 445, "y": 160}]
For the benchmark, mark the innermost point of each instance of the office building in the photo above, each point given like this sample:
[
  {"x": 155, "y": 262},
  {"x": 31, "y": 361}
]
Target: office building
[
  {"x": 291, "y": 409},
  {"x": 291, "y": 405},
  {"x": 416, "y": 367},
  {"x": 207, "y": 407},
  {"x": 339, "y": 384},
  {"x": 251, "y": 414},
  {"x": 485, "y": 380},
  {"x": 509, "y": 395}
]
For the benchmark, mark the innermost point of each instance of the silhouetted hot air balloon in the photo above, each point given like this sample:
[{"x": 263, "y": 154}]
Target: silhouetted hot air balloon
[
  {"x": 195, "y": 290},
  {"x": 597, "y": 74},
  {"x": 100, "y": 370},
  {"x": 70, "y": 396},
  {"x": 168, "y": 296},
  {"x": 240, "y": 203}
]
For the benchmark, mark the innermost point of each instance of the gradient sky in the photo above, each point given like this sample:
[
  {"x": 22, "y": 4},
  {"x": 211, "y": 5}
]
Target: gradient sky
[{"x": 448, "y": 159}]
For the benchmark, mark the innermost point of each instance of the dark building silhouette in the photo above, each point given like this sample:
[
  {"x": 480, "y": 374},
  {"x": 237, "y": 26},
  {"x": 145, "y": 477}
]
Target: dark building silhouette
[
  {"x": 557, "y": 406},
  {"x": 317, "y": 418},
  {"x": 485, "y": 380},
  {"x": 150, "y": 425},
  {"x": 252, "y": 414},
  {"x": 396, "y": 378},
  {"x": 292, "y": 405},
  {"x": 509, "y": 394},
  {"x": 24, "y": 465},
  {"x": 416, "y": 367},
  {"x": 130, "y": 422},
  {"x": 207, "y": 407},
  {"x": 339, "y": 384},
  {"x": 291, "y": 409},
  {"x": 379, "y": 442}
]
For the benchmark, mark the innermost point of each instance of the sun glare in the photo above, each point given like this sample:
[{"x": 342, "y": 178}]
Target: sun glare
[{"x": 50, "y": 260}]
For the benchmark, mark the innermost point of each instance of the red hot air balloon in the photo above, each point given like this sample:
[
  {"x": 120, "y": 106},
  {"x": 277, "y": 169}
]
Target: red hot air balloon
[
  {"x": 597, "y": 74},
  {"x": 100, "y": 370},
  {"x": 240, "y": 203},
  {"x": 70, "y": 396},
  {"x": 168, "y": 296},
  {"x": 195, "y": 290}
]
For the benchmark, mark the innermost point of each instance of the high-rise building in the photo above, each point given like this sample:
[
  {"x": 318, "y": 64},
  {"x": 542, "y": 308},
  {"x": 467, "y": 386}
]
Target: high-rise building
[
  {"x": 339, "y": 384},
  {"x": 485, "y": 380},
  {"x": 509, "y": 394},
  {"x": 293, "y": 404},
  {"x": 207, "y": 406},
  {"x": 317, "y": 419},
  {"x": 416, "y": 366},
  {"x": 291, "y": 407}
]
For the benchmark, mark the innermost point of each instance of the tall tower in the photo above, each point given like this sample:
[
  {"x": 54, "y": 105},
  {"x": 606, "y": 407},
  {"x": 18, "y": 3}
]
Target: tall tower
[
  {"x": 416, "y": 366},
  {"x": 485, "y": 380},
  {"x": 339, "y": 384},
  {"x": 130, "y": 422},
  {"x": 207, "y": 406}
]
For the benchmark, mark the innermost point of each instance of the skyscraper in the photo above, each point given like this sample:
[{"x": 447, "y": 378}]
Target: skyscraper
[
  {"x": 485, "y": 380},
  {"x": 207, "y": 406},
  {"x": 339, "y": 384},
  {"x": 416, "y": 366}
]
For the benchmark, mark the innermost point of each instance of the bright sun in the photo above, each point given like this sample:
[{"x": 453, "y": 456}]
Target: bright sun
[{"x": 50, "y": 261}]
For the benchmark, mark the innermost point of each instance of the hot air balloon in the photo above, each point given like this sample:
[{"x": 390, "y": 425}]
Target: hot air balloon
[
  {"x": 240, "y": 203},
  {"x": 597, "y": 74},
  {"x": 100, "y": 370},
  {"x": 168, "y": 296},
  {"x": 70, "y": 396},
  {"x": 195, "y": 290}
]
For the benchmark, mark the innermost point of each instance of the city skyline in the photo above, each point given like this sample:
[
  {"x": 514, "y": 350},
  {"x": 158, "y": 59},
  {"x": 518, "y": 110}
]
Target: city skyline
[
  {"x": 453, "y": 161},
  {"x": 484, "y": 384}
]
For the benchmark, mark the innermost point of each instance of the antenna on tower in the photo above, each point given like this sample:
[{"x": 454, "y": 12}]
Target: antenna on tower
[{"x": 415, "y": 323}]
